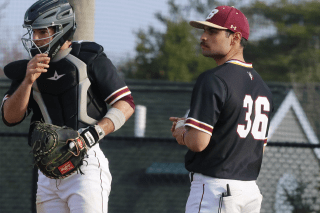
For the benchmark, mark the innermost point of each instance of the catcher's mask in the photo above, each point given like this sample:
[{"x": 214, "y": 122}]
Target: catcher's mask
[{"x": 43, "y": 14}]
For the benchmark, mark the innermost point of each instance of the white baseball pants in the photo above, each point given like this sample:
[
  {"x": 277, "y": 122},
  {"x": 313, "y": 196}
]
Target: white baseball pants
[
  {"x": 88, "y": 193},
  {"x": 205, "y": 196}
]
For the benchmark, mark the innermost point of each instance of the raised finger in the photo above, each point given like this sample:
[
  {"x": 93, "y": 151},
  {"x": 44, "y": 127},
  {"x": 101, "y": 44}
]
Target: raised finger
[{"x": 173, "y": 119}]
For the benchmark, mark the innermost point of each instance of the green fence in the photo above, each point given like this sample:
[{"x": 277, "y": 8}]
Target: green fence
[{"x": 148, "y": 172}]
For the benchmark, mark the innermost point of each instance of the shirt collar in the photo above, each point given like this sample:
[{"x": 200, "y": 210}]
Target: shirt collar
[{"x": 240, "y": 63}]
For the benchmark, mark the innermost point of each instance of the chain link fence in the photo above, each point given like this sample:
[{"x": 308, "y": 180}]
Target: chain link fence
[{"x": 148, "y": 172}]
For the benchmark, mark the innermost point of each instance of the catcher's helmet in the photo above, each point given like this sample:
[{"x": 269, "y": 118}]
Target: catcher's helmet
[{"x": 49, "y": 13}]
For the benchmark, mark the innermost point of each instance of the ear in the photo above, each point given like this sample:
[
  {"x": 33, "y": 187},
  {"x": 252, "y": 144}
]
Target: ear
[{"x": 236, "y": 38}]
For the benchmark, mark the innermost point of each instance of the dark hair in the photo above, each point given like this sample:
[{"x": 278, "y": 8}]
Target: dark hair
[{"x": 243, "y": 41}]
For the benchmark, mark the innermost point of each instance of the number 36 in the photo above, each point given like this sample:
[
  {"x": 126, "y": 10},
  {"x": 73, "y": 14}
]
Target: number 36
[{"x": 260, "y": 123}]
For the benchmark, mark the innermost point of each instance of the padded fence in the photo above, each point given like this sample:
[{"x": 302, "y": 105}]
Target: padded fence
[
  {"x": 149, "y": 176},
  {"x": 148, "y": 172}
]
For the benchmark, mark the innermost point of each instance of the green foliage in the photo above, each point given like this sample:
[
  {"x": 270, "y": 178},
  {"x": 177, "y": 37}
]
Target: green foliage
[
  {"x": 293, "y": 54},
  {"x": 181, "y": 54},
  {"x": 173, "y": 55}
]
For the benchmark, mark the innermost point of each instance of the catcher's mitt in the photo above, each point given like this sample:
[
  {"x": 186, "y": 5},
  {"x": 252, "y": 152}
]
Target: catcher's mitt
[{"x": 51, "y": 150}]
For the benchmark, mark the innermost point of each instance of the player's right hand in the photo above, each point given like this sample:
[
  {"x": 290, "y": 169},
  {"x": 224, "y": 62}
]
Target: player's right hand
[
  {"x": 175, "y": 120},
  {"x": 36, "y": 66}
]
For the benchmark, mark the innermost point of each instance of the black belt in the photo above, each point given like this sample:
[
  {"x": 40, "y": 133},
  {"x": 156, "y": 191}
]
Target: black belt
[{"x": 191, "y": 176}]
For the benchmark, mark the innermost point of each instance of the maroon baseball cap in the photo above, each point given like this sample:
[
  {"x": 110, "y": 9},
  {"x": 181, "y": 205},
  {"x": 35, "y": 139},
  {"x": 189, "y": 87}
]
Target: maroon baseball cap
[{"x": 225, "y": 17}]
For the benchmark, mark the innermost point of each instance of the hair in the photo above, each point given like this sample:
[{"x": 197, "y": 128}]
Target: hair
[{"x": 243, "y": 41}]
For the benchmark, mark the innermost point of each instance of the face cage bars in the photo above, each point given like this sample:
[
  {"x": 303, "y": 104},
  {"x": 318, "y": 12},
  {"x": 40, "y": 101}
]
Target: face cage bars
[{"x": 29, "y": 43}]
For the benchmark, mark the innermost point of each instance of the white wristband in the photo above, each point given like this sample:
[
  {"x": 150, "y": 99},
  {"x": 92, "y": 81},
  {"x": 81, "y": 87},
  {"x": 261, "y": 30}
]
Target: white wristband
[{"x": 117, "y": 117}]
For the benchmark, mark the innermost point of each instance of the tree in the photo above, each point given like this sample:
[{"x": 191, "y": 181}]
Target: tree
[
  {"x": 293, "y": 54},
  {"x": 173, "y": 55},
  {"x": 8, "y": 51}
]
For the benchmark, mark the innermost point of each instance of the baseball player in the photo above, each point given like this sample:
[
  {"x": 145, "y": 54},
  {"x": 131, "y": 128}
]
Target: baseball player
[
  {"x": 228, "y": 121},
  {"x": 69, "y": 84}
]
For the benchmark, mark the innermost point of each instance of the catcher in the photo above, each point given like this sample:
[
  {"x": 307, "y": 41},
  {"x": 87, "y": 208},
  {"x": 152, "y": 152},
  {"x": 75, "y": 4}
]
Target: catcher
[{"x": 66, "y": 86}]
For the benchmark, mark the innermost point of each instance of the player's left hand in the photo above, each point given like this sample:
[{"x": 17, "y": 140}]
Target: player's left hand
[{"x": 57, "y": 151}]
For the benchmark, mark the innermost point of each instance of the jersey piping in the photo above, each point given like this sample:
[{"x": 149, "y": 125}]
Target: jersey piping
[
  {"x": 206, "y": 127},
  {"x": 218, "y": 101},
  {"x": 240, "y": 63},
  {"x": 199, "y": 125},
  {"x": 117, "y": 95}
]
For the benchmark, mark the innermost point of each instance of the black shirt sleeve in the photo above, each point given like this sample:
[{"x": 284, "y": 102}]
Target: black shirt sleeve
[
  {"x": 208, "y": 98},
  {"x": 13, "y": 87},
  {"x": 107, "y": 81}
]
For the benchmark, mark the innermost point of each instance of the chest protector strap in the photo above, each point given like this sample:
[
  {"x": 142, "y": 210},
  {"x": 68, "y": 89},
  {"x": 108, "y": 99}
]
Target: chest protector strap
[{"x": 81, "y": 56}]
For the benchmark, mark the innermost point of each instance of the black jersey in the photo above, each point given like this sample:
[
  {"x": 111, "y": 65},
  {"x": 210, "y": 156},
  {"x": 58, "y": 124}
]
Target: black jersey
[
  {"x": 232, "y": 104},
  {"x": 75, "y": 90}
]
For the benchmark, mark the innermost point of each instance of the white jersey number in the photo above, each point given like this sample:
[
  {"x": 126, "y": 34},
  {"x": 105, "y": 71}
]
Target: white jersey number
[{"x": 259, "y": 126}]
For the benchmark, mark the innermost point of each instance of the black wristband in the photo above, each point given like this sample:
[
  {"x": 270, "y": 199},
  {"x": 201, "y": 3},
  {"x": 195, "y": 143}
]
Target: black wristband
[{"x": 90, "y": 136}]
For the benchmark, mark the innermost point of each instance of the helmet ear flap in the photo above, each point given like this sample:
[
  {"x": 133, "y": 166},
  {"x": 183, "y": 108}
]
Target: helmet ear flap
[
  {"x": 74, "y": 25},
  {"x": 56, "y": 47},
  {"x": 72, "y": 32}
]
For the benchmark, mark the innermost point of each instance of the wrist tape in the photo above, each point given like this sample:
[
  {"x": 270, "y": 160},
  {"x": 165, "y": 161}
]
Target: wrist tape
[{"x": 117, "y": 117}]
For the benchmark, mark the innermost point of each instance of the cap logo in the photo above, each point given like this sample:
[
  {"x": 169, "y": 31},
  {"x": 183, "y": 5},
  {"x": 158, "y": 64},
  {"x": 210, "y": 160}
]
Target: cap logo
[
  {"x": 233, "y": 27},
  {"x": 213, "y": 12}
]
